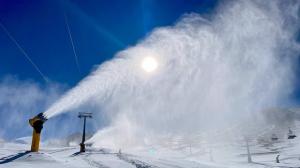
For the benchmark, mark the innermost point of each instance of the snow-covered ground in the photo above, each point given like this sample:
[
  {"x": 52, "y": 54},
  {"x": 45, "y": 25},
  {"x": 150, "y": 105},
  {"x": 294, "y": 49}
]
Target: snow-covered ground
[
  {"x": 171, "y": 152},
  {"x": 15, "y": 155}
]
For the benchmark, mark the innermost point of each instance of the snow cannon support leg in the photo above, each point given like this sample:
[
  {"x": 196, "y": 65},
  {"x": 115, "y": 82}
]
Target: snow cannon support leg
[{"x": 37, "y": 124}]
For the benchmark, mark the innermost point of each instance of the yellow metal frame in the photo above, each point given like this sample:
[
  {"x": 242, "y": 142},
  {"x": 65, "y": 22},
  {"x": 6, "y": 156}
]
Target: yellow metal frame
[
  {"x": 36, "y": 123},
  {"x": 35, "y": 144}
]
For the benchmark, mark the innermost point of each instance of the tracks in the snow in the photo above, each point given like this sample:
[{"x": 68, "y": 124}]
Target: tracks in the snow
[
  {"x": 136, "y": 163},
  {"x": 122, "y": 157},
  {"x": 131, "y": 159},
  {"x": 93, "y": 163}
]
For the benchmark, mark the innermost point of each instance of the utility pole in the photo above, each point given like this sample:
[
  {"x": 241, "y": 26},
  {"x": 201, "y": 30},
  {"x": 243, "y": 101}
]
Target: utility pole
[
  {"x": 248, "y": 150},
  {"x": 83, "y": 115}
]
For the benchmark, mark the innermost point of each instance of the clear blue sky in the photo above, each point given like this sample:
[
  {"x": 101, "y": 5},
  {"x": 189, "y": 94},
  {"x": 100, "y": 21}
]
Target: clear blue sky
[{"x": 99, "y": 28}]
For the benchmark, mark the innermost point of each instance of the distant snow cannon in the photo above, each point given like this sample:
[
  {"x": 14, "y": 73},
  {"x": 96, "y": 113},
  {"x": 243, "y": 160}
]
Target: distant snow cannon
[{"x": 37, "y": 124}]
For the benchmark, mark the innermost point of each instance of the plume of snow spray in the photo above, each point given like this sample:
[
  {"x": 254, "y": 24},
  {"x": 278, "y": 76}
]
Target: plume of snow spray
[
  {"x": 101, "y": 84},
  {"x": 210, "y": 74}
]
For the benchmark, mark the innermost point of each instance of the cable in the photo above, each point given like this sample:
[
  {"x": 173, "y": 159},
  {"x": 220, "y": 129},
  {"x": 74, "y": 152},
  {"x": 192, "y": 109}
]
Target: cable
[
  {"x": 72, "y": 43},
  {"x": 23, "y": 52}
]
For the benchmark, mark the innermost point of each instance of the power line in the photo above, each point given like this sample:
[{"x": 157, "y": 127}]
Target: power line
[
  {"x": 72, "y": 43},
  {"x": 23, "y": 52}
]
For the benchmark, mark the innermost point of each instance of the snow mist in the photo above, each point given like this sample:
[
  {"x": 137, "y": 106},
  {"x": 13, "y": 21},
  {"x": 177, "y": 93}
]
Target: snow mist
[{"x": 209, "y": 73}]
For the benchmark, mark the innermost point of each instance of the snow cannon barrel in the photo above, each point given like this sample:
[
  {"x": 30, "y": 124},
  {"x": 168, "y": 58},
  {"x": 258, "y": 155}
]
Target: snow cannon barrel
[{"x": 37, "y": 124}]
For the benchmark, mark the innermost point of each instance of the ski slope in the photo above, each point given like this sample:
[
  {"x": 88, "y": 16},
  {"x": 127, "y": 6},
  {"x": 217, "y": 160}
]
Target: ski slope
[{"x": 15, "y": 155}]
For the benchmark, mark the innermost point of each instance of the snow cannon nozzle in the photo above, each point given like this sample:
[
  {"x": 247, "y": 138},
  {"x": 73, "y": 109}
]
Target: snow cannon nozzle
[{"x": 37, "y": 124}]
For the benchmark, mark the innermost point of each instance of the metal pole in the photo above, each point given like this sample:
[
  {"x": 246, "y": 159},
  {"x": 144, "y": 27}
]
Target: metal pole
[
  {"x": 248, "y": 151},
  {"x": 84, "y": 116},
  {"x": 82, "y": 145},
  {"x": 83, "y": 133}
]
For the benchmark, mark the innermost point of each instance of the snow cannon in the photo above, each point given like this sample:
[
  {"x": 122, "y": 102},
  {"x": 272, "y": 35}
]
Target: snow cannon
[{"x": 37, "y": 124}]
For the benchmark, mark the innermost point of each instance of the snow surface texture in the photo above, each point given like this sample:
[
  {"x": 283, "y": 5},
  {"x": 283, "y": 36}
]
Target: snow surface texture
[
  {"x": 213, "y": 73},
  {"x": 174, "y": 154}
]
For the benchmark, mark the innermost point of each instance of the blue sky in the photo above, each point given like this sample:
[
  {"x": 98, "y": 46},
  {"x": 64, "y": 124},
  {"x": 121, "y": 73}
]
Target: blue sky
[{"x": 99, "y": 28}]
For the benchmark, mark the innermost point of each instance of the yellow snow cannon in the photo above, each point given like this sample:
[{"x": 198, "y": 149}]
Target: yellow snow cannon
[{"x": 37, "y": 124}]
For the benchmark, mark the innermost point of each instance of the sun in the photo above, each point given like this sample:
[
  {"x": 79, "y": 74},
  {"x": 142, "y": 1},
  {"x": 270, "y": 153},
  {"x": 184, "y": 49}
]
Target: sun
[{"x": 149, "y": 64}]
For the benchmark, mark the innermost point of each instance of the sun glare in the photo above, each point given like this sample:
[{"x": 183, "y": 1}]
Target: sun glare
[{"x": 149, "y": 64}]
